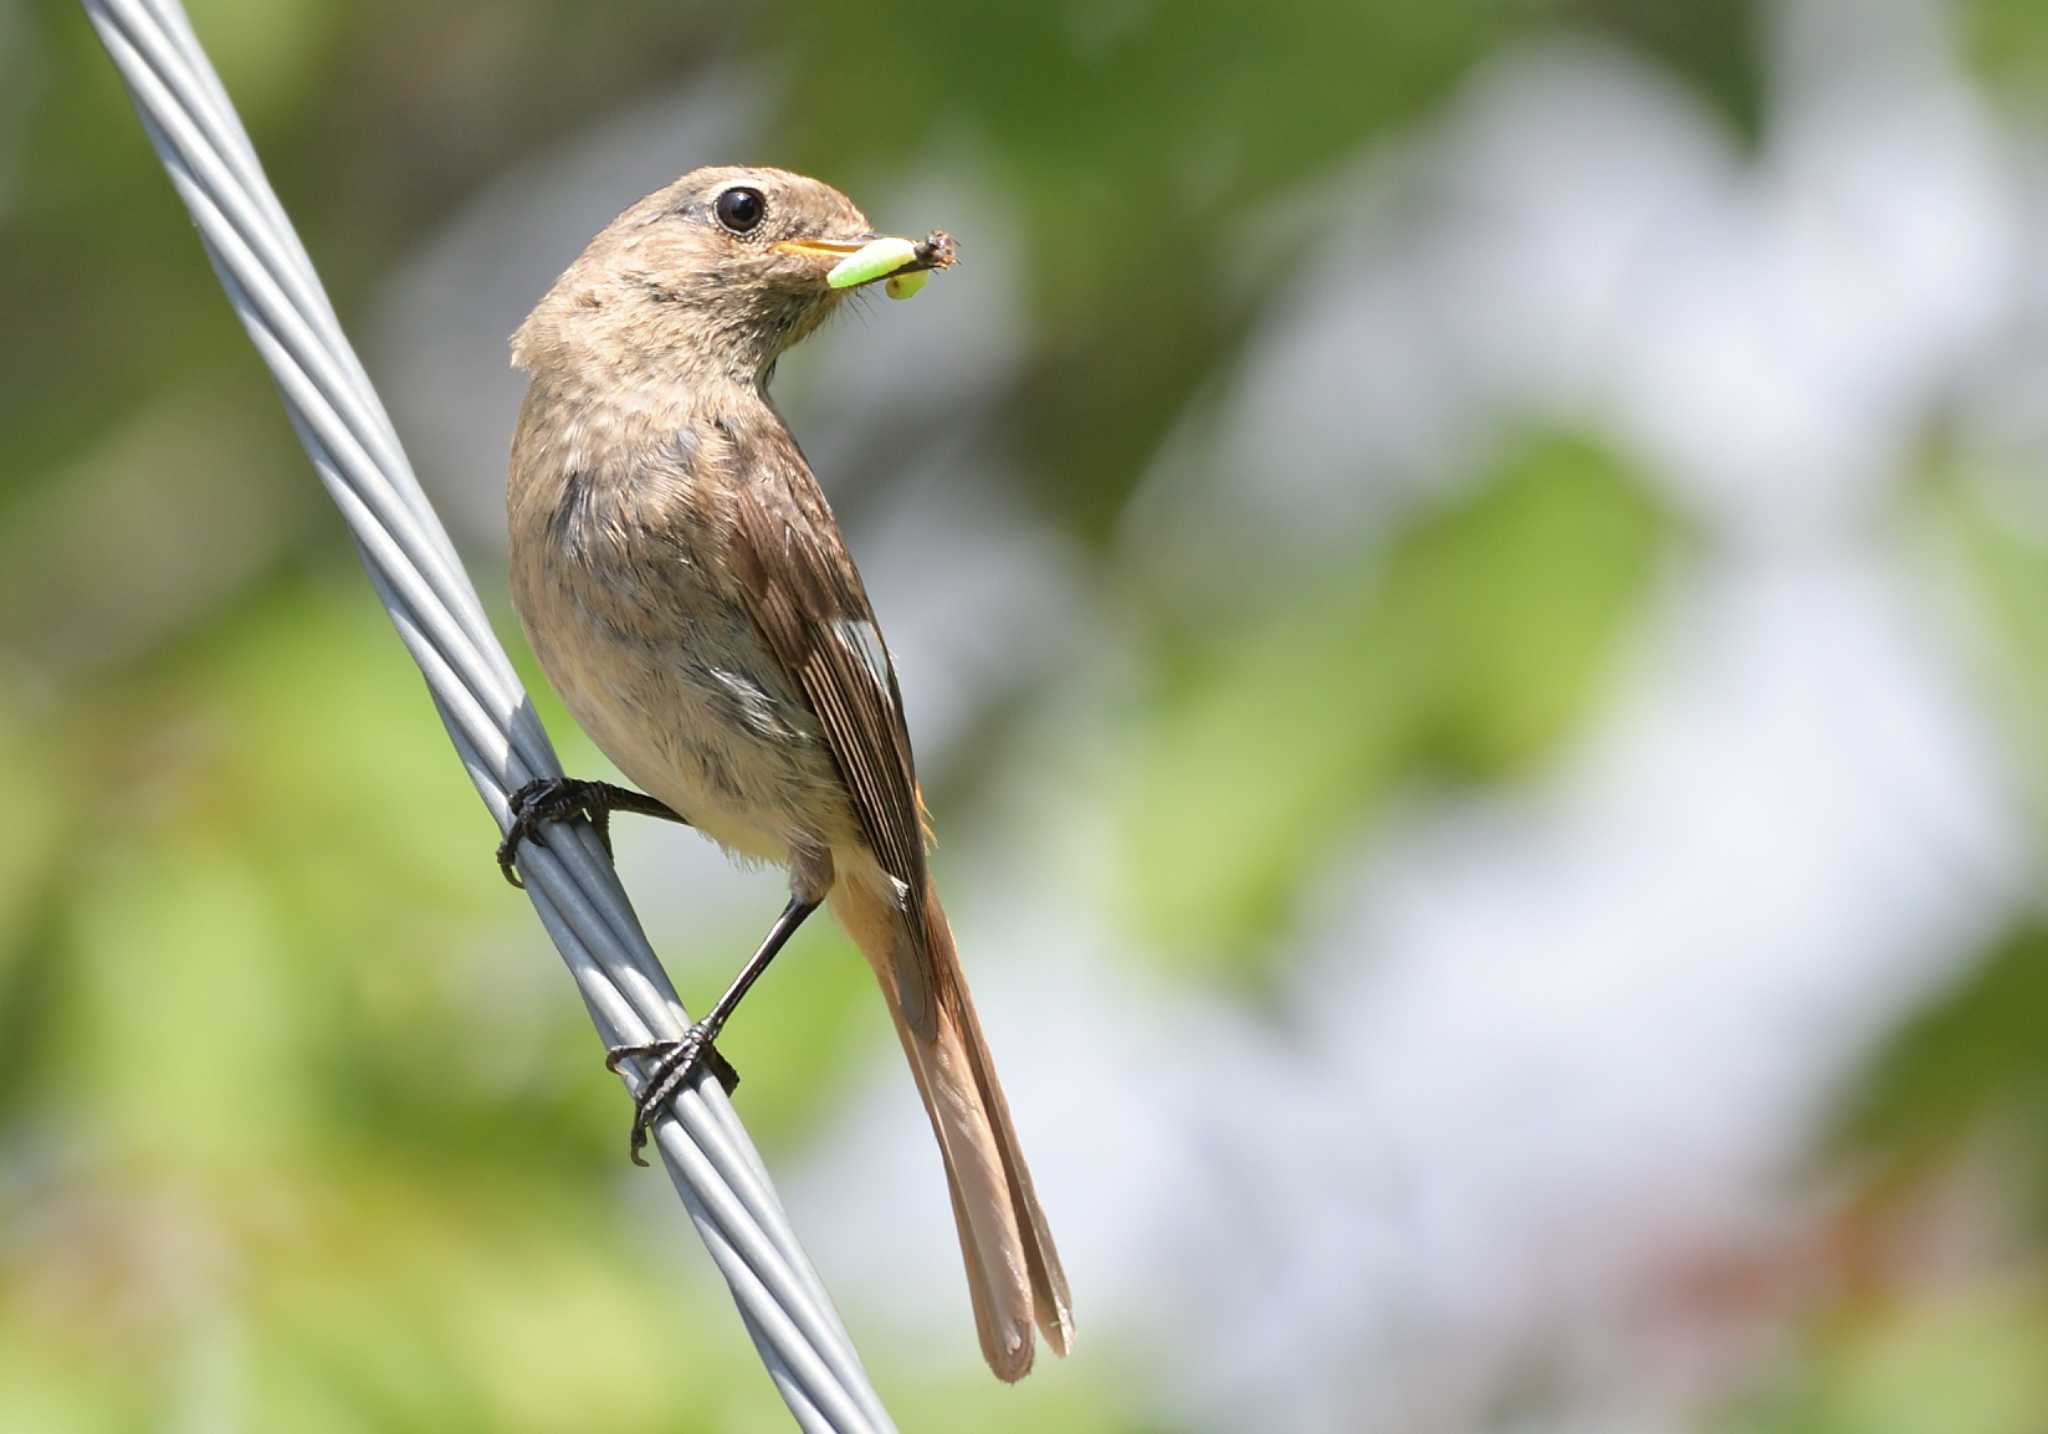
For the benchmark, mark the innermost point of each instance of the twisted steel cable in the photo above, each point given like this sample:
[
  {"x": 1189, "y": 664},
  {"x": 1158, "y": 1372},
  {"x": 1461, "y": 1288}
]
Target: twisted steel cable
[{"x": 275, "y": 292}]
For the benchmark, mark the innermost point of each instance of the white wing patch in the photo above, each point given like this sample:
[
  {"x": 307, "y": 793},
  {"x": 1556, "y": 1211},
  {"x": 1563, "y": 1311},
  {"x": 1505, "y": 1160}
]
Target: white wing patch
[
  {"x": 860, "y": 635},
  {"x": 752, "y": 705}
]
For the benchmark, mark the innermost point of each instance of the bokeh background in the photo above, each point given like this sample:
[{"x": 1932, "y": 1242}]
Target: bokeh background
[{"x": 1472, "y": 587}]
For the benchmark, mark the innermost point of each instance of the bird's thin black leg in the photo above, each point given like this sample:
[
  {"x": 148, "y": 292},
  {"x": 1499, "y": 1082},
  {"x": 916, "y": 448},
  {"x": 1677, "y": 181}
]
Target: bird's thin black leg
[
  {"x": 561, "y": 799},
  {"x": 676, "y": 1061}
]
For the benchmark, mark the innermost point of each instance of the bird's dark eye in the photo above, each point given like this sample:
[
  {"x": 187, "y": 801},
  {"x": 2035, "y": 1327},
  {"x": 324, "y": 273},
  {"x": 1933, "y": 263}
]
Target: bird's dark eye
[{"x": 740, "y": 209}]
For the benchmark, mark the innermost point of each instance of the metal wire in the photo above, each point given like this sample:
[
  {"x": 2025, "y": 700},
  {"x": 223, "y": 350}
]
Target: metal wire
[{"x": 271, "y": 283}]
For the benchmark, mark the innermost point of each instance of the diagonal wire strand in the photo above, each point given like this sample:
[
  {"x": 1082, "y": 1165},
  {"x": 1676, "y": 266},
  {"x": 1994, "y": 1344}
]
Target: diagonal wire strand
[{"x": 412, "y": 564}]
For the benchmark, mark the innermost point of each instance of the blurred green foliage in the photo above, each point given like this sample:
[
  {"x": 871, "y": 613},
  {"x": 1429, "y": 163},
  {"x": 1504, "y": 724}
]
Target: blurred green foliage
[
  {"x": 2006, "y": 568},
  {"x": 2009, "y": 38},
  {"x": 1971, "y": 1064},
  {"x": 1964, "y": 1365},
  {"x": 1465, "y": 655}
]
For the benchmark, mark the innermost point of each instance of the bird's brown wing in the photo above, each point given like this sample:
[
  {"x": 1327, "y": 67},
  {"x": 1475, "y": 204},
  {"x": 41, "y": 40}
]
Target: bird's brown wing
[{"x": 800, "y": 586}]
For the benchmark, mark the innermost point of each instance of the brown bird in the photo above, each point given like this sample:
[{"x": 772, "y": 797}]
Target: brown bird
[{"x": 683, "y": 582}]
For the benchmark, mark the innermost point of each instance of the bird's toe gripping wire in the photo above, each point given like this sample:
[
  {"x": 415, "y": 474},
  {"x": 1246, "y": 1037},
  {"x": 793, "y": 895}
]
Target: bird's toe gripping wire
[
  {"x": 673, "y": 1064},
  {"x": 550, "y": 800}
]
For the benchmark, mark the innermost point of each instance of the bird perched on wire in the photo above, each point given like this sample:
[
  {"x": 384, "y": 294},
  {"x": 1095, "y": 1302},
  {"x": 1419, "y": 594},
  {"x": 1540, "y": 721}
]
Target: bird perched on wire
[{"x": 685, "y": 587}]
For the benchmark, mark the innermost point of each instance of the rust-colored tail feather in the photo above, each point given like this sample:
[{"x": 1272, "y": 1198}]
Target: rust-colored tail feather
[{"x": 1013, "y": 1271}]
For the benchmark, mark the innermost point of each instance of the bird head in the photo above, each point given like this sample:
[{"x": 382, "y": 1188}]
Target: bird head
[{"x": 723, "y": 270}]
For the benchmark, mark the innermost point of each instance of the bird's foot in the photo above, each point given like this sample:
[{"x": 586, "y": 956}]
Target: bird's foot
[
  {"x": 673, "y": 1064},
  {"x": 560, "y": 799}
]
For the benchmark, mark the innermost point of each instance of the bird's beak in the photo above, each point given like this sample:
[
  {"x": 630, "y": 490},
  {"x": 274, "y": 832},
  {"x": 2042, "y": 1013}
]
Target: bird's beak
[
  {"x": 825, "y": 250},
  {"x": 879, "y": 257}
]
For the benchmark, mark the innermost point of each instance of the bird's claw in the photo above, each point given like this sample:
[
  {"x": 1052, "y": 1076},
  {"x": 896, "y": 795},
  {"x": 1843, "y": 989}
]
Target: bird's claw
[
  {"x": 543, "y": 802},
  {"x": 673, "y": 1064}
]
